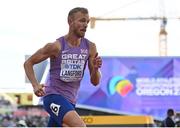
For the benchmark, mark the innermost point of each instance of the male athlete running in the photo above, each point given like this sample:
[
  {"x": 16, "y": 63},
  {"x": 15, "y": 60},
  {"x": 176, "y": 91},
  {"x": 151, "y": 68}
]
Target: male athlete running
[{"x": 68, "y": 57}]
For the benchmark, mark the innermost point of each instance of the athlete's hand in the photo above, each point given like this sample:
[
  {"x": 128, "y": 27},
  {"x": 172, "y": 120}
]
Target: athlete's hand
[
  {"x": 97, "y": 62},
  {"x": 39, "y": 90}
]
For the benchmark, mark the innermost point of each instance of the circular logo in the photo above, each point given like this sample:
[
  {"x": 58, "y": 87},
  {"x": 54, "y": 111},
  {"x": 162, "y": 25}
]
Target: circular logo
[{"x": 119, "y": 84}]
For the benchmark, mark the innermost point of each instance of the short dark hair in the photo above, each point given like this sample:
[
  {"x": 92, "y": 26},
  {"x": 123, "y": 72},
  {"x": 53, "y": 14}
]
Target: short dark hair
[
  {"x": 170, "y": 112},
  {"x": 77, "y": 9}
]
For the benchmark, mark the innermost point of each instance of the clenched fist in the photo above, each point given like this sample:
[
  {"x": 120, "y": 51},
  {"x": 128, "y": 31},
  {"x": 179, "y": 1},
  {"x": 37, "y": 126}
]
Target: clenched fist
[{"x": 97, "y": 61}]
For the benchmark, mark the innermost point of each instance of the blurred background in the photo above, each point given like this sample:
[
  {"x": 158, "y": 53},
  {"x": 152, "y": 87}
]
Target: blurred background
[{"x": 137, "y": 39}]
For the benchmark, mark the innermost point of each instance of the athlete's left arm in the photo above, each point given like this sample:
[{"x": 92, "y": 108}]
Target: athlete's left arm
[{"x": 94, "y": 63}]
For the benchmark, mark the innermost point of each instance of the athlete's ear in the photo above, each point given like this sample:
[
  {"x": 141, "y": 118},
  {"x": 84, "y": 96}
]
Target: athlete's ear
[{"x": 70, "y": 20}]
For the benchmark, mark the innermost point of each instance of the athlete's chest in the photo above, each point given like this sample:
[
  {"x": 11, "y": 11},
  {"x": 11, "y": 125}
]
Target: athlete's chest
[{"x": 73, "y": 62}]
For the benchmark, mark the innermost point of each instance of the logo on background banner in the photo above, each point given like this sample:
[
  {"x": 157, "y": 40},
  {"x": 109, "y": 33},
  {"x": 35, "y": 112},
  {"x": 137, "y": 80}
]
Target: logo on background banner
[{"x": 119, "y": 84}]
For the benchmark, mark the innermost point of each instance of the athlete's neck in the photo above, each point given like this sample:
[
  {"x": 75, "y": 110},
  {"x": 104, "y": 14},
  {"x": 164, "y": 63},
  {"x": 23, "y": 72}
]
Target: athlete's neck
[{"x": 72, "y": 40}]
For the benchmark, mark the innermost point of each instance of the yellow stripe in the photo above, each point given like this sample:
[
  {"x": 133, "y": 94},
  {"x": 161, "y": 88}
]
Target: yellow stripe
[{"x": 105, "y": 120}]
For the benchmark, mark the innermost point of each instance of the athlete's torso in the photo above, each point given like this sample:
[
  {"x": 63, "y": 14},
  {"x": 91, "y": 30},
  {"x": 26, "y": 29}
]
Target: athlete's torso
[{"x": 67, "y": 70}]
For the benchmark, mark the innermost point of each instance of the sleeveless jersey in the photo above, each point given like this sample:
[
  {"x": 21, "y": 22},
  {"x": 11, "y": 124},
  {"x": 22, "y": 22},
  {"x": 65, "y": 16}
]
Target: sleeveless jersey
[{"x": 67, "y": 70}]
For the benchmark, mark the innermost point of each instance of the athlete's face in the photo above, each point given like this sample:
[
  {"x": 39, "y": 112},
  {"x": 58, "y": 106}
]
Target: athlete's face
[{"x": 79, "y": 24}]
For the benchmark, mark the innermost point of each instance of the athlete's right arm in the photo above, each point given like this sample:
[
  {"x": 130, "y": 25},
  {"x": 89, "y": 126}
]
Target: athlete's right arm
[{"x": 49, "y": 50}]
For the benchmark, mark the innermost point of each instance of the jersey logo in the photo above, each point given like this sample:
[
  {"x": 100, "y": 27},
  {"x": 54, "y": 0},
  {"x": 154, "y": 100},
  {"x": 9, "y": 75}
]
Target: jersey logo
[
  {"x": 84, "y": 51},
  {"x": 55, "y": 108},
  {"x": 65, "y": 51}
]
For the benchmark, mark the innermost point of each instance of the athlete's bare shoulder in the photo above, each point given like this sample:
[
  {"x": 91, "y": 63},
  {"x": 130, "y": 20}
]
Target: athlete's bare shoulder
[
  {"x": 92, "y": 48},
  {"x": 57, "y": 45},
  {"x": 53, "y": 48}
]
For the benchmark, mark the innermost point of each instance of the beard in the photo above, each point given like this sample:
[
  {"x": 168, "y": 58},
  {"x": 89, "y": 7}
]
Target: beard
[{"x": 79, "y": 33}]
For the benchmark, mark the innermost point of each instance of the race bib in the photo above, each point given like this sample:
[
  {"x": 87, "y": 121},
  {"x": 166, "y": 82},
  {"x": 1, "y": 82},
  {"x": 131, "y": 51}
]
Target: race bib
[{"x": 72, "y": 67}]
